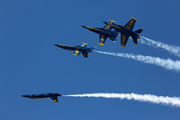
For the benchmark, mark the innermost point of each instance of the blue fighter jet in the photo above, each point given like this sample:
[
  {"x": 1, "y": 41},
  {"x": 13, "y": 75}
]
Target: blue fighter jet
[
  {"x": 53, "y": 96},
  {"x": 78, "y": 49},
  {"x": 104, "y": 32},
  {"x": 126, "y": 31}
]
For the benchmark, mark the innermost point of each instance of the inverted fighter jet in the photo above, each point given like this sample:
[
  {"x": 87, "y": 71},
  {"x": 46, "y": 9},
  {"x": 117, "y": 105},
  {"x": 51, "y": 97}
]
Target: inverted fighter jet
[
  {"x": 53, "y": 96},
  {"x": 77, "y": 49}
]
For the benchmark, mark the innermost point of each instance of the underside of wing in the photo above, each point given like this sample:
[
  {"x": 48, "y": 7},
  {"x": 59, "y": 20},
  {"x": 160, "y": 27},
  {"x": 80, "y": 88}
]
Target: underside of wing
[
  {"x": 124, "y": 39},
  {"x": 54, "y": 98},
  {"x": 102, "y": 39},
  {"x": 130, "y": 24}
]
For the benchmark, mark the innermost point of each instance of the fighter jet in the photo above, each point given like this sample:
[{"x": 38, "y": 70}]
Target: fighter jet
[
  {"x": 78, "y": 49},
  {"x": 53, "y": 96},
  {"x": 126, "y": 31},
  {"x": 104, "y": 32}
]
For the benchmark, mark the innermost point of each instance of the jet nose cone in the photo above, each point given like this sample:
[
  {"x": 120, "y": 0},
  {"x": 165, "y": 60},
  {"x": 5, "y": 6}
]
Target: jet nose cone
[
  {"x": 25, "y": 95},
  {"x": 56, "y": 44},
  {"x": 105, "y": 22},
  {"x": 83, "y": 26}
]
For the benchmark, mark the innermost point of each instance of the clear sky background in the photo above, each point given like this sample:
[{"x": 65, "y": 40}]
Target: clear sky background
[{"x": 31, "y": 64}]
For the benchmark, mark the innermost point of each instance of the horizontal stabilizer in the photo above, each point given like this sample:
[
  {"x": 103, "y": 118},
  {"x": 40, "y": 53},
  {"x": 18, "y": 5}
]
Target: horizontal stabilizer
[
  {"x": 85, "y": 54},
  {"x": 135, "y": 40},
  {"x": 139, "y": 31},
  {"x": 54, "y": 98}
]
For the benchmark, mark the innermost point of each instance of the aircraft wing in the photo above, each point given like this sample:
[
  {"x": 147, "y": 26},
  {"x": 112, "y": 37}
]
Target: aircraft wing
[
  {"x": 130, "y": 24},
  {"x": 102, "y": 39},
  {"x": 124, "y": 39},
  {"x": 54, "y": 98}
]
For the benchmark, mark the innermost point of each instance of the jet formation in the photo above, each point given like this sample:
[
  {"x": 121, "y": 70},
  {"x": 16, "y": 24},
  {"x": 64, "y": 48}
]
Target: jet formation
[
  {"x": 53, "y": 96},
  {"x": 126, "y": 31},
  {"x": 105, "y": 32}
]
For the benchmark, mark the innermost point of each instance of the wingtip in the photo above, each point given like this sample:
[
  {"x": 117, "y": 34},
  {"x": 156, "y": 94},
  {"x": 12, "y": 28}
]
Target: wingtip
[
  {"x": 133, "y": 18},
  {"x": 75, "y": 54},
  {"x": 100, "y": 44},
  {"x": 122, "y": 45},
  {"x": 105, "y": 22},
  {"x": 112, "y": 20},
  {"x": 56, "y": 101}
]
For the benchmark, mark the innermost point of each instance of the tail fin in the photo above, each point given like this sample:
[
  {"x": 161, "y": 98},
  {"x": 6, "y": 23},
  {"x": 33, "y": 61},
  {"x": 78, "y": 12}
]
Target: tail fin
[
  {"x": 85, "y": 54},
  {"x": 113, "y": 39},
  {"x": 108, "y": 27},
  {"x": 139, "y": 31},
  {"x": 135, "y": 40}
]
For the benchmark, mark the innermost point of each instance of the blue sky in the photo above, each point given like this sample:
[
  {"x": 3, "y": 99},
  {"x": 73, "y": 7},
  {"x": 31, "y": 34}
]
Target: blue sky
[{"x": 30, "y": 63}]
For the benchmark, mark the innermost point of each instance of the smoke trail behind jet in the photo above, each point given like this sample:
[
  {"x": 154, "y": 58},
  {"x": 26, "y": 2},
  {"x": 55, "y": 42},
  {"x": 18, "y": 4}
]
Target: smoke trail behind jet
[
  {"x": 165, "y": 63},
  {"x": 173, "y": 101},
  {"x": 171, "y": 49}
]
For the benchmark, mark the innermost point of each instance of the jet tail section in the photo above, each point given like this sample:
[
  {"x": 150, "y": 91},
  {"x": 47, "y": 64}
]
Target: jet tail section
[
  {"x": 108, "y": 27},
  {"x": 139, "y": 31}
]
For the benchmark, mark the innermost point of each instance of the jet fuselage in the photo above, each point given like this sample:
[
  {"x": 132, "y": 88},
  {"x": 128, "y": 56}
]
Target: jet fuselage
[
  {"x": 126, "y": 31},
  {"x": 44, "y": 95},
  {"x": 107, "y": 32}
]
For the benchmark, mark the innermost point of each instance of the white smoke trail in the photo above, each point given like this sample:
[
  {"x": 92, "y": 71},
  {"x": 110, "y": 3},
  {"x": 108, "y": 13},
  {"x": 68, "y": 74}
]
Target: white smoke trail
[
  {"x": 173, "y": 101},
  {"x": 170, "y": 48},
  {"x": 166, "y": 63}
]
